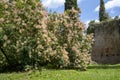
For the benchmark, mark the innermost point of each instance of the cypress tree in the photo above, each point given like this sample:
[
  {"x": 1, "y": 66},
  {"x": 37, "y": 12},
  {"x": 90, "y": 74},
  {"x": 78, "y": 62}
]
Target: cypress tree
[
  {"x": 102, "y": 14},
  {"x": 71, "y": 3}
]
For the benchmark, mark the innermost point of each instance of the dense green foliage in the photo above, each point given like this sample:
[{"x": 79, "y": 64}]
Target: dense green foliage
[
  {"x": 102, "y": 13},
  {"x": 96, "y": 72},
  {"x": 69, "y": 4},
  {"x": 91, "y": 27},
  {"x": 30, "y": 37},
  {"x": 116, "y": 17}
]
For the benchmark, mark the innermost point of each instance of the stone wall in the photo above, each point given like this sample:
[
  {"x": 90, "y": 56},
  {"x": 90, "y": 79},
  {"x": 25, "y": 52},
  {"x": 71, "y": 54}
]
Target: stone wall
[{"x": 106, "y": 48}]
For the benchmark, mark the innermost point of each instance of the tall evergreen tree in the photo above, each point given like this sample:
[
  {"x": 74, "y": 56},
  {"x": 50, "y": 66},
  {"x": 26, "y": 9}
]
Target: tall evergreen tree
[
  {"x": 71, "y": 3},
  {"x": 102, "y": 13}
]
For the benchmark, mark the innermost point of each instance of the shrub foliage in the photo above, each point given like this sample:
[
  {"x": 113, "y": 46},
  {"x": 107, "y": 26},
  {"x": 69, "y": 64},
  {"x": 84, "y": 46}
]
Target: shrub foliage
[{"x": 29, "y": 36}]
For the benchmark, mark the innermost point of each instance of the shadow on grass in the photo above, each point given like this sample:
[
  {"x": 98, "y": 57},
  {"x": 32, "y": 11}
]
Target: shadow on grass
[
  {"x": 96, "y": 66},
  {"x": 104, "y": 66}
]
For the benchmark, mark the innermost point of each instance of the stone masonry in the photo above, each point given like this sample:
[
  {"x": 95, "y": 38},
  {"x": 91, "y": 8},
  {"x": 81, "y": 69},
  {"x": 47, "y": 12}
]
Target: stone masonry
[{"x": 106, "y": 48}]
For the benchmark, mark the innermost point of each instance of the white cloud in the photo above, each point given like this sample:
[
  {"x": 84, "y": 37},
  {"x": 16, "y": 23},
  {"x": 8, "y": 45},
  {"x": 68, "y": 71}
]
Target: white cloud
[
  {"x": 112, "y": 11},
  {"x": 54, "y": 3},
  {"x": 115, "y": 16},
  {"x": 110, "y": 4},
  {"x": 86, "y": 24},
  {"x": 78, "y": 1},
  {"x": 97, "y": 21}
]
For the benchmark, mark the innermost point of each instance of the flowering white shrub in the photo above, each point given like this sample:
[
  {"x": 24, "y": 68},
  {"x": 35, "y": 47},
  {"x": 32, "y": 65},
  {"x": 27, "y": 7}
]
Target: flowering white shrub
[
  {"x": 70, "y": 34},
  {"x": 23, "y": 26},
  {"x": 31, "y": 36}
]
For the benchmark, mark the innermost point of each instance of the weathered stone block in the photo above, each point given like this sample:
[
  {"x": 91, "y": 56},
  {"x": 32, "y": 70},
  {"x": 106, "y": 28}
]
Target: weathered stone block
[{"x": 106, "y": 48}]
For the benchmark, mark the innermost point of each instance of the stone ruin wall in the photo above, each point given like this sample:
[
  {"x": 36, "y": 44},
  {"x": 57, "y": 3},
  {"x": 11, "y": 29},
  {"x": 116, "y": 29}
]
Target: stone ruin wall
[{"x": 106, "y": 48}]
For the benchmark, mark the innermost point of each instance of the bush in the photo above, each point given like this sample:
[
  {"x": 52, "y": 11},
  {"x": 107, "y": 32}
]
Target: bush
[
  {"x": 32, "y": 37},
  {"x": 22, "y": 26},
  {"x": 70, "y": 34}
]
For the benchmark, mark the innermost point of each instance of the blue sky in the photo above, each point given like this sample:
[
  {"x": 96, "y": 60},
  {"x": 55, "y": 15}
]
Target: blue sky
[{"x": 89, "y": 8}]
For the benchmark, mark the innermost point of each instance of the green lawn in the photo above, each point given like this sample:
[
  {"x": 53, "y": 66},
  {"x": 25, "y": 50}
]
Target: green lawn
[{"x": 96, "y": 72}]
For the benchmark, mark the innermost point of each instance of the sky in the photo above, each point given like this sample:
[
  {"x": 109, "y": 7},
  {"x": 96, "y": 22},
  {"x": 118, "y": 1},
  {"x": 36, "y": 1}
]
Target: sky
[{"x": 89, "y": 8}]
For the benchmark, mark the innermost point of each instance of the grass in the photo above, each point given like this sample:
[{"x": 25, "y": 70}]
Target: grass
[{"x": 94, "y": 72}]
